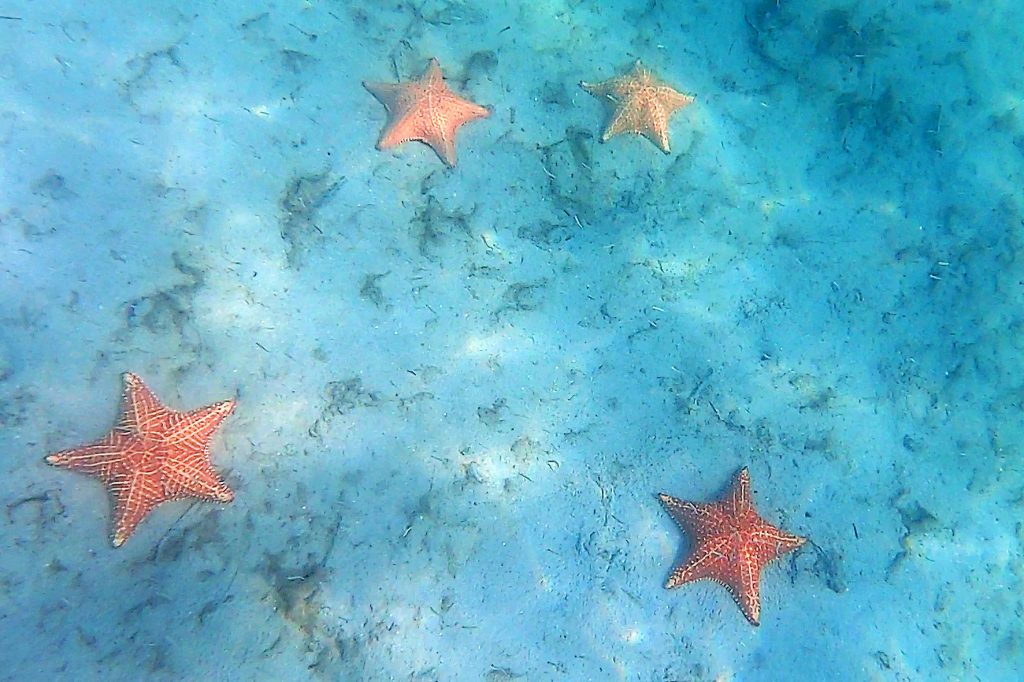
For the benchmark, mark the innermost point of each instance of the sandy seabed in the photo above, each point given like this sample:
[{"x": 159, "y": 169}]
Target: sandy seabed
[{"x": 460, "y": 390}]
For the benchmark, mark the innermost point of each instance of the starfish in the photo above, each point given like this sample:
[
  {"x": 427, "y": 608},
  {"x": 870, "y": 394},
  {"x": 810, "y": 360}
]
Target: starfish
[
  {"x": 642, "y": 105},
  {"x": 424, "y": 110},
  {"x": 731, "y": 544},
  {"x": 153, "y": 454}
]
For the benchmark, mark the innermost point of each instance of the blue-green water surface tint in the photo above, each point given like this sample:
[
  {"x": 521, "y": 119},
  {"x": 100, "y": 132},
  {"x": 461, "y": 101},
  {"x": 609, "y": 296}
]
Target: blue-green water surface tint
[{"x": 459, "y": 390}]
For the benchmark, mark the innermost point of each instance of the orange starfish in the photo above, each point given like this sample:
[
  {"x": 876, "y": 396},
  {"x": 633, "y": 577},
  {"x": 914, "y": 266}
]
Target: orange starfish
[
  {"x": 642, "y": 105},
  {"x": 731, "y": 544},
  {"x": 152, "y": 455},
  {"x": 424, "y": 110}
]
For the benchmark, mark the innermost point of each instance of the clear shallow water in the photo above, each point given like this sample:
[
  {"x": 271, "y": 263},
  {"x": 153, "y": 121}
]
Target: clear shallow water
[{"x": 460, "y": 390}]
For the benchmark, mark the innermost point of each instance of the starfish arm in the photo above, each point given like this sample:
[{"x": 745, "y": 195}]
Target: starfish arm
[
  {"x": 142, "y": 409},
  {"x": 187, "y": 470},
  {"x": 444, "y": 146},
  {"x": 457, "y": 111},
  {"x": 745, "y": 589},
  {"x": 432, "y": 76},
  {"x": 464, "y": 111},
  {"x": 672, "y": 100},
  {"x": 663, "y": 103},
  {"x": 679, "y": 510},
  {"x": 739, "y": 494},
  {"x": 697, "y": 519},
  {"x": 401, "y": 129},
  {"x": 194, "y": 429},
  {"x": 623, "y": 121},
  {"x": 386, "y": 93},
  {"x": 101, "y": 459},
  {"x": 660, "y": 139},
  {"x": 136, "y": 494},
  {"x": 655, "y": 126},
  {"x": 707, "y": 560},
  {"x": 602, "y": 89},
  {"x": 194, "y": 476},
  {"x": 772, "y": 542},
  {"x": 621, "y": 88},
  {"x": 740, "y": 574},
  {"x": 640, "y": 73}
]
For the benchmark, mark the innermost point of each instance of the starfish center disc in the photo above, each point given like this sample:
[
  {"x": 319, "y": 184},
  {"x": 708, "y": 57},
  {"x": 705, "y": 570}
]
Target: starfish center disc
[{"x": 142, "y": 457}]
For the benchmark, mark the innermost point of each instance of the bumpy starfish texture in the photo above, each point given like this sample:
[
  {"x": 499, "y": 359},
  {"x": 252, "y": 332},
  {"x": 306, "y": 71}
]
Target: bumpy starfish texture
[
  {"x": 642, "y": 104},
  {"x": 153, "y": 454},
  {"x": 731, "y": 544},
  {"x": 424, "y": 110}
]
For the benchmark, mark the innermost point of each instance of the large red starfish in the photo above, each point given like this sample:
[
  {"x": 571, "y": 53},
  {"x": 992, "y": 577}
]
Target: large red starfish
[
  {"x": 424, "y": 110},
  {"x": 731, "y": 544},
  {"x": 152, "y": 455},
  {"x": 642, "y": 103}
]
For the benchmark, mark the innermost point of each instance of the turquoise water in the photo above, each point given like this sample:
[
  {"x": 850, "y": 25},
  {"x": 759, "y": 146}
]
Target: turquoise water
[{"x": 459, "y": 390}]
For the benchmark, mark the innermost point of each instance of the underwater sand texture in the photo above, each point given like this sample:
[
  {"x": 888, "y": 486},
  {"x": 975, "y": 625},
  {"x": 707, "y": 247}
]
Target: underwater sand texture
[{"x": 459, "y": 391}]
